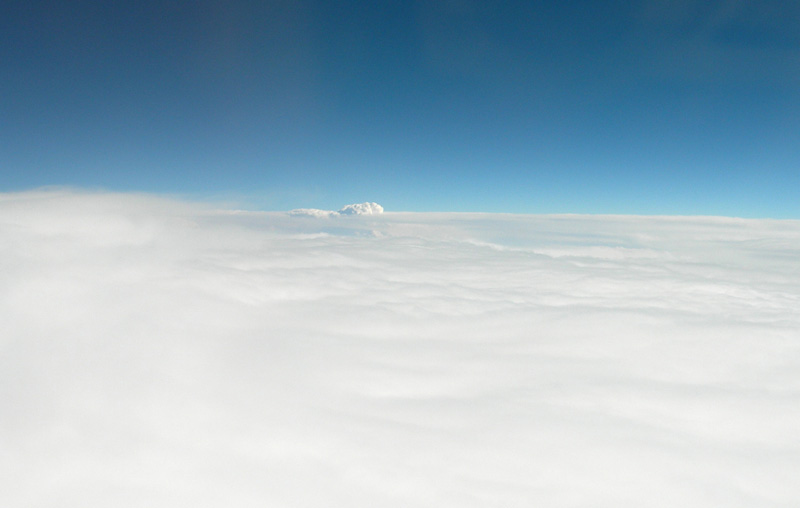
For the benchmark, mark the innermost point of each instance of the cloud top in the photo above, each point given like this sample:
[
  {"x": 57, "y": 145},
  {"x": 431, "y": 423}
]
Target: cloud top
[
  {"x": 447, "y": 360},
  {"x": 367, "y": 208},
  {"x": 361, "y": 209}
]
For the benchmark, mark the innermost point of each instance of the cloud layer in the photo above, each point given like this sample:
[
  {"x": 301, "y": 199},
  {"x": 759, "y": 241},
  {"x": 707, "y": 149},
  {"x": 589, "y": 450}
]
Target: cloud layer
[{"x": 159, "y": 353}]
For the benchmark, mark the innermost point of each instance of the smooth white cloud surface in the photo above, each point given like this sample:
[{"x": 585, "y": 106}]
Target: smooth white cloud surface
[{"x": 161, "y": 354}]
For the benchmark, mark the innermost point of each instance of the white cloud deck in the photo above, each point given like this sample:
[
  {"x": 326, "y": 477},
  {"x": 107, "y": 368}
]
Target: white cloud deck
[{"x": 158, "y": 353}]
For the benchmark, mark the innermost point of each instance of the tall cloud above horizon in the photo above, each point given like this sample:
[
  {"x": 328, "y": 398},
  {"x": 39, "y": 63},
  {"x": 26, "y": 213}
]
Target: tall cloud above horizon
[
  {"x": 367, "y": 208},
  {"x": 162, "y": 353}
]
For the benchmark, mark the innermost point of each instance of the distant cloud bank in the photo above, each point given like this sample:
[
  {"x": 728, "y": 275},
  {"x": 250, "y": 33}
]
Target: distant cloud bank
[
  {"x": 163, "y": 353},
  {"x": 354, "y": 209}
]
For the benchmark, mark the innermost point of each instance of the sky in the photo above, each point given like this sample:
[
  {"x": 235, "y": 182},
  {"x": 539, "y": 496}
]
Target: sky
[
  {"x": 634, "y": 107},
  {"x": 160, "y": 352}
]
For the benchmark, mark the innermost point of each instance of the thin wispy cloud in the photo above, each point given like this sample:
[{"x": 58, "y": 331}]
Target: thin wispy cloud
[{"x": 163, "y": 353}]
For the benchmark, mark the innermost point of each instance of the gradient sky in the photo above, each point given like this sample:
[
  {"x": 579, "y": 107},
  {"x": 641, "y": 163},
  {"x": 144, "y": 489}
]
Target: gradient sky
[{"x": 646, "y": 107}]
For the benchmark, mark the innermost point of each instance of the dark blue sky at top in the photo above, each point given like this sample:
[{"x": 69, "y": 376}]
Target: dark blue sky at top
[{"x": 654, "y": 106}]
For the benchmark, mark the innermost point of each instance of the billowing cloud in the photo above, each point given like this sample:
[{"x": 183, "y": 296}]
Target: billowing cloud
[
  {"x": 160, "y": 353},
  {"x": 355, "y": 209},
  {"x": 361, "y": 209}
]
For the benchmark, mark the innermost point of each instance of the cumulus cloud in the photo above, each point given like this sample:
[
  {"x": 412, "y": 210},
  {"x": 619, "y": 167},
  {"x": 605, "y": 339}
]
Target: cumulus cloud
[
  {"x": 361, "y": 209},
  {"x": 354, "y": 209},
  {"x": 160, "y": 353}
]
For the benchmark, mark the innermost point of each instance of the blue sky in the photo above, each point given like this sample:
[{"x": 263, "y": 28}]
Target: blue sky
[{"x": 649, "y": 107}]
